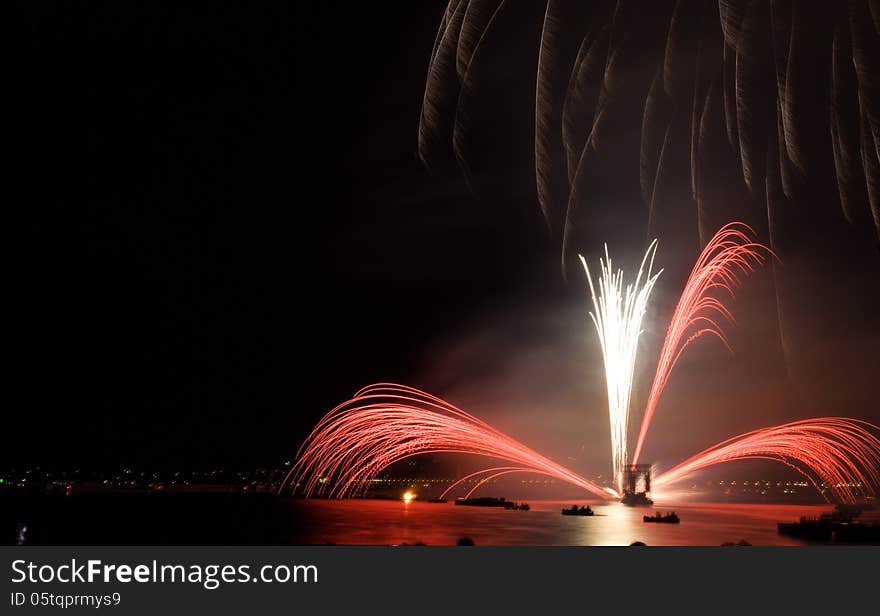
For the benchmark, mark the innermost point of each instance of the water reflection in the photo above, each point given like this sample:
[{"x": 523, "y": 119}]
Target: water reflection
[{"x": 376, "y": 522}]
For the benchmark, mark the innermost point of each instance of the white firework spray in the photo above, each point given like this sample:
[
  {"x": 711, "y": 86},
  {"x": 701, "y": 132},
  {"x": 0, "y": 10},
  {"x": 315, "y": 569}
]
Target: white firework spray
[{"x": 618, "y": 312}]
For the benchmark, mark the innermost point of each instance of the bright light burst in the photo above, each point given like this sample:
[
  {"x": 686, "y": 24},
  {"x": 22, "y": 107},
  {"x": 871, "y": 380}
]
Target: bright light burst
[
  {"x": 619, "y": 309},
  {"x": 728, "y": 255}
]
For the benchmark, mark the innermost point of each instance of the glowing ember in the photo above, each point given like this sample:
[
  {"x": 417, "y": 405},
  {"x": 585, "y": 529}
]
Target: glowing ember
[{"x": 618, "y": 318}]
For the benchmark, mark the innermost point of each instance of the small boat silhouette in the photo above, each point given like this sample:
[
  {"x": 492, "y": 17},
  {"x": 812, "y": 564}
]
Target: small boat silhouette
[
  {"x": 574, "y": 510},
  {"x": 669, "y": 518}
]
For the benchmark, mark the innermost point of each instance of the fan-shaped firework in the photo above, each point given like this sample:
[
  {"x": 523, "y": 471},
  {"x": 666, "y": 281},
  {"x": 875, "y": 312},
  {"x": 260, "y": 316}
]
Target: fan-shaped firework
[
  {"x": 386, "y": 423},
  {"x": 840, "y": 454}
]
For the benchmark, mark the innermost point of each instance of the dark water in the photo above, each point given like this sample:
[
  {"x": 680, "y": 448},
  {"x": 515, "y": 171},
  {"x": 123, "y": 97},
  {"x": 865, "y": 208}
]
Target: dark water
[
  {"x": 391, "y": 522},
  {"x": 234, "y": 519}
]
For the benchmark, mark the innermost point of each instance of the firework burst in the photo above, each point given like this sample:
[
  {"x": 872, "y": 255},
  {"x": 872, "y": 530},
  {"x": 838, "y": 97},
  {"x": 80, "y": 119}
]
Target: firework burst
[
  {"x": 386, "y": 423},
  {"x": 731, "y": 253},
  {"x": 836, "y": 454},
  {"x": 618, "y": 312}
]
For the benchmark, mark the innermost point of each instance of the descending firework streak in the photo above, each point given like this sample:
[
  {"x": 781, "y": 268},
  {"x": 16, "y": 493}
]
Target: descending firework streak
[
  {"x": 618, "y": 318},
  {"x": 386, "y": 423}
]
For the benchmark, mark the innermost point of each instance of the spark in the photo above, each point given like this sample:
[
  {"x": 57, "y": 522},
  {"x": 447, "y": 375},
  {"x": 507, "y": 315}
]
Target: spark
[
  {"x": 618, "y": 312},
  {"x": 728, "y": 255},
  {"x": 386, "y": 423},
  {"x": 835, "y": 452}
]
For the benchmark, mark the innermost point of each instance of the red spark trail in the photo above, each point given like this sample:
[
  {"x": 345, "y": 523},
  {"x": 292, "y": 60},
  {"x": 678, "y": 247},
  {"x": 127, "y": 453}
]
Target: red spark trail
[
  {"x": 481, "y": 472},
  {"x": 841, "y": 453},
  {"x": 729, "y": 254},
  {"x": 386, "y": 423},
  {"x": 500, "y": 474}
]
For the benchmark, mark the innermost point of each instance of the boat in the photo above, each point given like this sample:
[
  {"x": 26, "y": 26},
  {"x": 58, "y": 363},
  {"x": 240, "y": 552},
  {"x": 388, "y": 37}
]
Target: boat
[
  {"x": 838, "y": 526},
  {"x": 574, "y": 510},
  {"x": 437, "y": 500},
  {"x": 812, "y": 529},
  {"x": 669, "y": 518},
  {"x": 485, "y": 501},
  {"x": 522, "y": 507}
]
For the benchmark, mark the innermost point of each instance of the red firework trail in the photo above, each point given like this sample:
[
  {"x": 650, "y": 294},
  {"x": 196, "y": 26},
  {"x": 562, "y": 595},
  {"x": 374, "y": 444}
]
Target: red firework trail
[
  {"x": 491, "y": 473},
  {"x": 729, "y": 254},
  {"x": 510, "y": 469},
  {"x": 841, "y": 453},
  {"x": 386, "y": 423}
]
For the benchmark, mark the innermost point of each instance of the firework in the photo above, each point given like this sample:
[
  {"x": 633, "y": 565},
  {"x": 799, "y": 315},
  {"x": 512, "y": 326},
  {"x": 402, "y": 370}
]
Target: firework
[
  {"x": 838, "y": 454},
  {"x": 618, "y": 312},
  {"x": 495, "y": 469},
  {"x": 386, "y": 423},
  {"x": 728, "y": 255}
]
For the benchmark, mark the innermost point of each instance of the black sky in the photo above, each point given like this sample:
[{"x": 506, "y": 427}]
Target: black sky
[
  {"x": 227, "y": 232},
  {"x": 226, "y": 226}
]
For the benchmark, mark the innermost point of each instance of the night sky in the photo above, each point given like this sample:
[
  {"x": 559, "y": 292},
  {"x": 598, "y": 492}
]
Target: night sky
[
  {"x": 227, "y": 227},
  {"x": 228, "y": 231}
]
